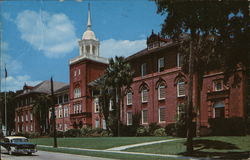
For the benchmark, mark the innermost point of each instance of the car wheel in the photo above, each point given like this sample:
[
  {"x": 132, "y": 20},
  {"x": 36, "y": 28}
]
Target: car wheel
[
  {"x": 29, "y": 153},
  {"x": 10, "y": 151}
]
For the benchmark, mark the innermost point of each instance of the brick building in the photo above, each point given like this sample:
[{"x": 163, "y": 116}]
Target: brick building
[{"x": 25, "y": 118}]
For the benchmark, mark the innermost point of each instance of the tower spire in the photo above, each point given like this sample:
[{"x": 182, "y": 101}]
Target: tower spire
[{"x": 89, "y": 18}]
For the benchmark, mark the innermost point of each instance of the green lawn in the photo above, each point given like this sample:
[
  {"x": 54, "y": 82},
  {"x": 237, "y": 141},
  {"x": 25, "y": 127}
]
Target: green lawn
[
  {"x": 223, "y": 147},
  {"x": 96, "y": 142}
]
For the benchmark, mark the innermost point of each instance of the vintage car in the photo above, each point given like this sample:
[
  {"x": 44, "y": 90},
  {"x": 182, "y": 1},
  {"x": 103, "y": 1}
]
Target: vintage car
[{"x": 18, "y": 144}]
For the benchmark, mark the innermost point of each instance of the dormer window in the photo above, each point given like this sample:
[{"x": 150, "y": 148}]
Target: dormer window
[
  {"x": 143, "y": 69},
  {"x": 160, "y": 64},
  {"x": 218, "y": 85}
]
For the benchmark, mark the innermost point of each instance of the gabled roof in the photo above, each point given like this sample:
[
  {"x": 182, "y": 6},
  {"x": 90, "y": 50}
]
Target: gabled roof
[
  {"x": 62, "y": 89},
  {"x": 43, "y": 87}
]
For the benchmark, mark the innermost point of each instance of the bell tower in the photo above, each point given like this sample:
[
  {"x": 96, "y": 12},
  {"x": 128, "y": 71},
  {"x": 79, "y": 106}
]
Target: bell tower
[{"x": 89, "y": 44}]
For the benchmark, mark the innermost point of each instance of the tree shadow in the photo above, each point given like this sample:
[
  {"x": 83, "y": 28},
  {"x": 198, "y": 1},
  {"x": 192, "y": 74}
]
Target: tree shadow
[{"x": 200, "y": 147}]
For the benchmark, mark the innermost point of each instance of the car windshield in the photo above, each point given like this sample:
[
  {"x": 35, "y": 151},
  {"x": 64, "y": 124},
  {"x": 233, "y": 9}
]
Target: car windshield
[{"x": 19, "y": 140}]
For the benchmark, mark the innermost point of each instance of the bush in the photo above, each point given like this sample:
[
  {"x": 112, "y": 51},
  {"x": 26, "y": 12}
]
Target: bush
[
  {"x": 85, "y": 131},
  {"x": 34, "y": 135},
  {"x": 171, "y": 129},
  {"x": 72, "y": 133},
  {"x": 128, "y": 130},
  {"x": 153, "y": 127},
  {"x": 58, "y": 134},
  {"x": 142, "y": 131},
  {"x": 160, "y": 132},
  {"x": 235, "y": 126}
]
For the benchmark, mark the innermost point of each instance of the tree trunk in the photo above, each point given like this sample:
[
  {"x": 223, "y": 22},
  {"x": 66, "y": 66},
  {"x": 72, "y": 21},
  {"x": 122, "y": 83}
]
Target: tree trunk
[
  {"x": 118, "y": 112},
  {"x": 199, "y": 88},
  {"x": 189, "y": 109}
]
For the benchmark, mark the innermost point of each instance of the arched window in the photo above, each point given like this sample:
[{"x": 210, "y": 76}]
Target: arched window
[
  {"x": 77, "y": 92},
  {"x": 144, "y": 95},
  {"x": 161, "y": 91},
  {"x": 180, "y": 87},
  {"x": 219, "y": 111},
  {"x": 129, "y": 98}
]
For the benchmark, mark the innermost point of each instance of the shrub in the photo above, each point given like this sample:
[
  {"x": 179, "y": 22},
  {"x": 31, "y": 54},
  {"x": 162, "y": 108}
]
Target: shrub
[
  {"x": 142, "y": 131},
  {"x": 171, "y": 129},
  {"x": 153, "y": 127},
  {"x": 85, "y": 131},
  {"x": 160, "y": 132},
  {"x": 34, "y": 135},
  {"x": 72, "y": 133},
  {"x": 235, "y": 126},
  {"x": 105, "y": 133},
  {"x": 58, "y": 134}
]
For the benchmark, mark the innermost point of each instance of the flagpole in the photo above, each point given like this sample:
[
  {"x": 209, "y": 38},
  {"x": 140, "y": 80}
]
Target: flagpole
[{"x": 5, "y": 102}]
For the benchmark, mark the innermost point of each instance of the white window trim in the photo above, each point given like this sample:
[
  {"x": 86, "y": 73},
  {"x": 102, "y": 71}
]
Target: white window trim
[
  {"x": 178, "y": 60},
  {"x": 159, "y": 89},
  {"x": 214, "y": 85},
  {"x": 159, "y": 67},
  {"x": 129, "y": 112},
  {"x": 129, "y": 94},
  {"x": 110, "y": 105},
  {"x": 142, "y": 96},
  {"x": 142, "y": 69},
  {"x": 178, "y": 91},
  {"x": 142, "y": 119},
  {"x": 96, "y": 101},
  {"x": 159, "y": 117}
]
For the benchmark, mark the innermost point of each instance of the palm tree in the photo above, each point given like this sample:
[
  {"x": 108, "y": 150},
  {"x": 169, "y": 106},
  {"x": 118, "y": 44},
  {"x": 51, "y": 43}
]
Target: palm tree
[
  {"x": 40, "y": 110},
  {"x": 118, "y": 76}
]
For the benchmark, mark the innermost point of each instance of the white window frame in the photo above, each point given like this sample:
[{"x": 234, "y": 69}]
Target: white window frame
[
  {"x": 77, "y": 92},
  {"x": 144, "y": 91},
  {"x": 159, "y": 115},
  {"x": 129, "y": 96},
  {"x": 97, "y": 123},
  {"x": 18, "y": 119},
  {"x": 31, "y": 127},
  {"x": 179, "y": 60},
  {"x": 60, "y": 114},
  {"x": 111, "y": 105},
  {"x": 75, "y": 73},
  {"x": 215, "y": 85},
  {"x": 178, "y": 88},
  {"x": 128, "y": 123},
  {"x": 66, "y": 111},
  {"x": 159, "y": 64},
  {"x": 143, "y": 69},
  {"x": 79, "y": 71},
  {"x": 22, "y": 118},
  {"x": 142, "y": 113},
  {"x": 96, "y": 105},
  {"x": 26, "y": 116},
  {"x": 161, "y": 86}
]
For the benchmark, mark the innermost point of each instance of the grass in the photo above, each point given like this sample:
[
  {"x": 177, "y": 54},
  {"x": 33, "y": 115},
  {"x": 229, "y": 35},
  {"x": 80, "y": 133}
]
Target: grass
[
  {"x": 106, "y": 155},
  {"x": 96, "y": 142},
  {"x": 219, "y": 147}
]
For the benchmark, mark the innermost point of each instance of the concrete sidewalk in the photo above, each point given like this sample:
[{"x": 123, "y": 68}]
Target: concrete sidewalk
[{"x": 141, "y": 144}]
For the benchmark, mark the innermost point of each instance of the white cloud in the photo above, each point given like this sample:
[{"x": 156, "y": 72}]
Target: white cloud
[
  {"x": 111, "y": 47},
  {"x": 17, "y": 83},
  {"x": 12, "y": 65},
  {"x": 53, "y": 34}
]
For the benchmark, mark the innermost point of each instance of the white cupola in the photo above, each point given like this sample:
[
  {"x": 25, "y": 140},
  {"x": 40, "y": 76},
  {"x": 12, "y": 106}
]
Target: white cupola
[{"x": 89, "y": 45}]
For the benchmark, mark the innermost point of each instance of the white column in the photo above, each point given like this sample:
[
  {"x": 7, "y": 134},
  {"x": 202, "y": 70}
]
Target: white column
[{"x": 91, "y": 51}]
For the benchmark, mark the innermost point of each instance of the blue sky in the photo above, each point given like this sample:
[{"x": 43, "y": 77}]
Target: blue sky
[{"x": 40, "y": 37}]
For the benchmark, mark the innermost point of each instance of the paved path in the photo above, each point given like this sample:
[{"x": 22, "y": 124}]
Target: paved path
[
  {"x": 141, "y": 144},
  {"x": 42, "y": 155}
]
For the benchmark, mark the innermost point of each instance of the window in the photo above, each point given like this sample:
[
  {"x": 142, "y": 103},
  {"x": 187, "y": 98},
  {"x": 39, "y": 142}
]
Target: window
[
  {"x": 160, "y": 64},
  {"x": 144, "y": 96},
  {"x": 65, "y": 127},
  {"x": 79, "y": 71},
  {"x": 77, "y": 93},
  {"x": 60, "y": 99},
  {"x": 161, "y": 92},
  {"x": 77, "y": 108},
  {"x": 129, "y": 98},
  {"x": 219, "y": 111},
  {"x": 22, "y": 118},
  {"x": 18, "y": 119},
  {"x": 129, "y": 118},
  {"x": 31, "y": 116},
  {"x": 179, "y": 60},
  {"x": 75, "y": 73},
  {"x": 66, "y": 111},
  {"x": 26, "y": 116},
  {"x": 104, "y": 124},
  {"x": 31, "y": 128},
  {"x": 60, "y": 112},
  {"x": 97, "y": 123},
  {"x": 180, "y": 110},
  {"x": 144, "y": 116},
  {"x": 27, "y": 128},
  {"x": 96, "y": 105},
  {"x": 180, "y": 88},
  {"x": 161, "y": 115},
  {"x": 111, "y": 105},
  {"x": 66, "y": 98},
  {"x": 143, "y": 69},
  {"x": 218, "y": 84}
]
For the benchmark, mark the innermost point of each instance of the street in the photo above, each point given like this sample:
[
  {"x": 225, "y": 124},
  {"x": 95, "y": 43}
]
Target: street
[{"x": 42, "y": 155}]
